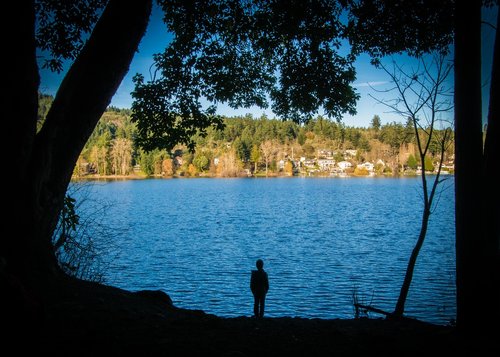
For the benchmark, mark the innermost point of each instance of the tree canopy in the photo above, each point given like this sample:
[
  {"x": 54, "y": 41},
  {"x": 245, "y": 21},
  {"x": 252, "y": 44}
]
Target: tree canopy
[
  {"x": 62, "y": 27},
  {"x": 293, "y": 56},
  {"x": 385, "y": 27},
  {"x": 284, "y": 54}
]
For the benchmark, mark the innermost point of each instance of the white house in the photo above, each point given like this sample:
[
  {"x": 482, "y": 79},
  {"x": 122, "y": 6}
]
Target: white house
[
  {"x": 309, "y": 163},
  {"x": 351, "y": 152},
  {"x": 344, "y": 164},
  {"x": 326, "y": 164},
  {"x": 366, "y": 165}
]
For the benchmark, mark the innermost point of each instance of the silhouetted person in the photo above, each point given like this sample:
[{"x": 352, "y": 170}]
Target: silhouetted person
[{"x": 259, "y": 284}]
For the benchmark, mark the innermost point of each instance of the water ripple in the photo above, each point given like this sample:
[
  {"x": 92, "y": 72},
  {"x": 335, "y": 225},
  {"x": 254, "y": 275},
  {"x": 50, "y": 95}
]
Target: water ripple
[{"x": 320, "y": 239}]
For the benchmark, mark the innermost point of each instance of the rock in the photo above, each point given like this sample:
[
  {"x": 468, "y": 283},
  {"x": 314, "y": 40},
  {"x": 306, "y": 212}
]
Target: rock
[{"x": 157, "y": 295}]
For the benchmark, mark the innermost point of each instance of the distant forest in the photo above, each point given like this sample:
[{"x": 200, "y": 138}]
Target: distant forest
[{"x": 255, "y": 146}]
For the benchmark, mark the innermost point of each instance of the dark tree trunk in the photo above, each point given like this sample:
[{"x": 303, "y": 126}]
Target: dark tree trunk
[
  {"x": 492, "y": 194},
  {"x": 403, "y": 294},
  {"x": 83, "y": 96},
  {"x": 19, "y": 114},
  {"x": 468, "y": 155}
]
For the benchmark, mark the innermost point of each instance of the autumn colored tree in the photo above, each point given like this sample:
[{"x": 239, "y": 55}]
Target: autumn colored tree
[
  {"x": 121, "y": 153},
  {"x": 167, "y": 167},
  {"x": 268, "y": 150},
  {"x": 229, "y": 165}
]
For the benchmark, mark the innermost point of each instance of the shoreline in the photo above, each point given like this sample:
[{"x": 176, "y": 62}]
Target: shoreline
[{"x": 158, "y": 177}]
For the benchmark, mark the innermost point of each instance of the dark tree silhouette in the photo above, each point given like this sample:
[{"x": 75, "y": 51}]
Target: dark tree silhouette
[
  {"x": 386, "y": 27},
  {"x": 400, "y": 23},
  {"x": 422, "y": 95},
  {"x": 477, "y": 196},
  {"x": 286, "y": 54},
  {"x": 44, "y": 161}
]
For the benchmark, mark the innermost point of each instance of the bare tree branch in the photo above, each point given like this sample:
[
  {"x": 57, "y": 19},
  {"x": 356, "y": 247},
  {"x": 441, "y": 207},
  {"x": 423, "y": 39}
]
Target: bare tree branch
[{"x": 421, "y": 95}]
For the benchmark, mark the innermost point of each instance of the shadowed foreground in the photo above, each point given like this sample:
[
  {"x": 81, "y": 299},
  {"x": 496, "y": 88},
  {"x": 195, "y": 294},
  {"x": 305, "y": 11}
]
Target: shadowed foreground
[{"x": 91, "y": 318}]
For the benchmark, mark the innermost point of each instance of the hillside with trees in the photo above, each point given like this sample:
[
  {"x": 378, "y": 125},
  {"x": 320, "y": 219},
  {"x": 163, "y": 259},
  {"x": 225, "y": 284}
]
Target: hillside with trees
[{"x": 249, "y": 146}]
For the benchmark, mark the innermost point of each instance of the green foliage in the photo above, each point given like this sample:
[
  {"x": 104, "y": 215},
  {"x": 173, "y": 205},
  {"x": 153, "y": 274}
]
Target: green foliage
[
  {"x": 255, "y": 154},
  {"x": 391, "y": 134},
  {"x": 163, "y": 121},
  {"x": 375, "y": 123},
  {"x": 146, "y": 161},
  {"x": 301, "y": 137},
  {"x": 201, "y": 162},
  {"x": 242, "y": 149},
  {"x": 363, "y": 143},
  {"x": 44, "y": 104},
  {"x": 243, "y": 135},
  {"x": 412, "y": 162},
  {"x": 62, "y": 27},
  {"x": 428, "y": 165},
  {"x": 338, "y": 156},
  {"x": 246, "y": 53}
]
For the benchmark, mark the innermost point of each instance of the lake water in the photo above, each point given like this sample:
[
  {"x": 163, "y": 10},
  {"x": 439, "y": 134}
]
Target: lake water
[{"x": 321, "y": 239}]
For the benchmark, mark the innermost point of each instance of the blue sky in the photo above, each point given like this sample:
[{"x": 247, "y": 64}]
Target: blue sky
[{"x": 368, "y": 77}]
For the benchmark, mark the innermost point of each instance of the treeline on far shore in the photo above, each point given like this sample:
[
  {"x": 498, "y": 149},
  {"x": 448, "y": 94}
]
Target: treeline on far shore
[{"x": 261, "y": 146}]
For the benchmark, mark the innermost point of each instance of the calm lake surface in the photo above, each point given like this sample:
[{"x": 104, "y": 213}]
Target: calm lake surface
[{"x": 321, "y": 239}]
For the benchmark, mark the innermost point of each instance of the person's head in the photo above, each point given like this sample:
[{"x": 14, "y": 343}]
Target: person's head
[{"x": 259, "y": 264}]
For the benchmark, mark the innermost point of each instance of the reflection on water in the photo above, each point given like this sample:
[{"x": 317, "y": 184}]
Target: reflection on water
[{"x": 198, "y": 239}]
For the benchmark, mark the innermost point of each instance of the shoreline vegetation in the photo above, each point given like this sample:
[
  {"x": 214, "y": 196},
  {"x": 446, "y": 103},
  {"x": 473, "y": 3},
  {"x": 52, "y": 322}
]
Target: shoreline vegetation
[
  {"x": 259, "y": 147},
  {"x": 91, "y": 177}
]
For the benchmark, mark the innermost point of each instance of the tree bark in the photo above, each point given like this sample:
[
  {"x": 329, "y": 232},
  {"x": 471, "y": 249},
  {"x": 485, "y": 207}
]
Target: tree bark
[
  {"x": 492, "y": 191},
  {"x": 468, "y": 155},
  {"x": 19, "y": 111},
  {"x": 403, "y": 294},
  {"x": 84, "y": 94}
]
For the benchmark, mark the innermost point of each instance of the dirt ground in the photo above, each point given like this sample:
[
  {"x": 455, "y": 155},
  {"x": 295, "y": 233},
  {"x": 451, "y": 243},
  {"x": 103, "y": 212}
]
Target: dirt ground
[{"x": 85, "y": 318}]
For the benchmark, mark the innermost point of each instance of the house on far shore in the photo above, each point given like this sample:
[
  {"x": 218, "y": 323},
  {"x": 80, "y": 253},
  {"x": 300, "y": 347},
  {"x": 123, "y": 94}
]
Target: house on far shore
[
  {"x": 344, "y": 165},
  {"x": 326, "y": 164},
  {"x": 351, "y": 152},
  {"x": 367, "y": 165}
]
